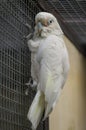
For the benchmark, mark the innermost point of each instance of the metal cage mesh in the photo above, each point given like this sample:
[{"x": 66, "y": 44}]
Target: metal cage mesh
[
  {"x": 71, "y": 15},
  {"x": 15, "y": 64}
]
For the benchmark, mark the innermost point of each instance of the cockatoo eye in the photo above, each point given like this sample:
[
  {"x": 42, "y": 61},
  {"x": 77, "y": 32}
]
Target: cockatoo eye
[{"x": 50, "y": 21}]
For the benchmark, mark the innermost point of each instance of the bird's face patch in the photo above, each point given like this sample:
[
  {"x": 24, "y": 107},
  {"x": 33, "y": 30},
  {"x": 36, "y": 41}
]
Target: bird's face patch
[
  {"x": 45, "y": 21},
  {"x": 44, "y": 25}
]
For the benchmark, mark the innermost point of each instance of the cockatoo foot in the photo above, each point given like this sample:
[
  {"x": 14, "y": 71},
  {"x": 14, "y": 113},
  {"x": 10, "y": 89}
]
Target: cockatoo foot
[{"x": 32, "y": 84}]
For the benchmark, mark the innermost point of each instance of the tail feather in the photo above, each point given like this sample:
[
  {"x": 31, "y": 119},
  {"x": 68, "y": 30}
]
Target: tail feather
[
  {"x": 50, "y": 105},
  {"x": 48, "y": 110},
  {"x": 36, "y": 110}
]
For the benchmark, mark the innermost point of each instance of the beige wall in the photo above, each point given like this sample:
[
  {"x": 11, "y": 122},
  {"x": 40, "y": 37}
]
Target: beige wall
[{"x": 70, "y": 112}]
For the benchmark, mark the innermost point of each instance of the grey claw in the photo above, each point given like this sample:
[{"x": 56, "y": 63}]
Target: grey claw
[
  {"x": 26, "y": 91},
  {"x": 28, "y": 26},
  {"x": 27, "y": 84}
]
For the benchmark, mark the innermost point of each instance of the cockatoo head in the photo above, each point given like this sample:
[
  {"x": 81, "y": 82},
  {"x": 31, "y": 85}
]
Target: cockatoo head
[{"x": 45, "y": 24}]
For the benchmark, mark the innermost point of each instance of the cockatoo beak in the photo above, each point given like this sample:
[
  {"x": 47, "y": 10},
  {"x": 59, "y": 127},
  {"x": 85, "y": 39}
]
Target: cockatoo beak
[{"x": 40, "y": 26}]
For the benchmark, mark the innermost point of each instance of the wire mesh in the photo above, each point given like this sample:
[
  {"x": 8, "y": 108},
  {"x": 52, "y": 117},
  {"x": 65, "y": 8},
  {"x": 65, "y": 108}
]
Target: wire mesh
[
  {"x": 72, "y": 16},
  {"x": 15, "y": 64}
]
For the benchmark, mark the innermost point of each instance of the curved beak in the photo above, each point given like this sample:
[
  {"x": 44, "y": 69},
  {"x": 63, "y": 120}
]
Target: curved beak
[{"x": 40, "y": 26}]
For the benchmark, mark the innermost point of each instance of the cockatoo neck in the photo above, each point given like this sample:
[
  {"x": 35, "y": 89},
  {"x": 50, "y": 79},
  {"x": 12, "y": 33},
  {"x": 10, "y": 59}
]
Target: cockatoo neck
[
  {"x": 57, "y": 33},
  {"x": 46, "y": 33}
]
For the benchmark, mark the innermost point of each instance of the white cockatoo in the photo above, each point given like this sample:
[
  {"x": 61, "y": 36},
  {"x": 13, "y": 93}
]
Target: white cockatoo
[{"x": 49, "y": 66}]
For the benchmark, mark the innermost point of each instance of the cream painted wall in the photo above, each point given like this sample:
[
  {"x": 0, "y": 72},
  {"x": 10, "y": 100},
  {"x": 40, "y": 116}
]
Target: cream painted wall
[{"x": 70, "y": 111}]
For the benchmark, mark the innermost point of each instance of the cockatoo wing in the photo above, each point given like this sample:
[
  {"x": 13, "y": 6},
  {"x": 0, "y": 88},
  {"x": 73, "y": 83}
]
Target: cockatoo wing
[{"x": 53, "y": 61}]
